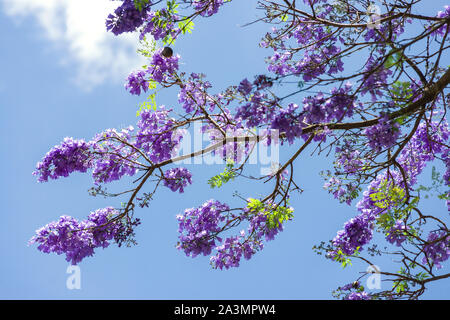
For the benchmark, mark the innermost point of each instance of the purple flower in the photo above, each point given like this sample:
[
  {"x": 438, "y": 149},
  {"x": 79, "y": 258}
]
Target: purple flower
[
  {"x": 397, "y": 233},
  {"x": 177, "y": 179},
  {"x": 161, "y": 68},
  {"x": 357, "y": 232},
  {"x": 136, "y": 81},
  {"x": 155, "y": 135},
  {"x": 442, "y": 14},
  {"x": 160, "y": 25},
  {"x": 245, "y": 87},
  {"x": 126, "y": 18},
  {"x": 193, "y": 94},
  {"x": 382, "y": 135},
  {"x": 78, "y": 239},
  {"x": 114, "y": 157},
  {"x": 207, "y": 7},
  {"x": 358, "y": 296},
  {"x": 198, "y": 228},
  {"x": 71, "y": 155},
  {"x": 437, "y": 248}
]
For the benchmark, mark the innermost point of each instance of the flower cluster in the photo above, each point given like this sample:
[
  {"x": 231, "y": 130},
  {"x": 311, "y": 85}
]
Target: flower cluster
[
  {"x": 136, "y": 81},
  {"x": 198, "y": 228},
  {"x": 347, "y": 159},
  {"x": 161, "y": 68},
  {"x": 344, "y": 192},
  {"x": 229, "y": 254},
  {"x": 382, "y": 135},
  {"x": 437, "y": 248},
  {"x": 287, "y": 121},
  {"x": 338, "y": 105},
  {"x": 112, "y": 153},
  {"x": 245, "y": 87},
  {"x": 177, "y": 179},
  {"x": 193, "y": 94},
  {"x": 358, "y": 296},
  {"x": 71, "y": 155},
  {"x": 428, "y": 141},
  {"x": 443, "y": 14},
  {"x": 207, "y": 7},
  {"x": 265, "y": 222},
  {"x": 357, "y": 233},
  {"x": 78, "y": 239},
  {"x": 160, "y": 25},
  {"x": 155, "y": 135},
  {"x": 397, "y": 233},
  {"x": 115, "y": 155},
  {"x": 375, "y": 78},
  {"x": 126, "y": 18},
  {"x": 256, "y": 111}
]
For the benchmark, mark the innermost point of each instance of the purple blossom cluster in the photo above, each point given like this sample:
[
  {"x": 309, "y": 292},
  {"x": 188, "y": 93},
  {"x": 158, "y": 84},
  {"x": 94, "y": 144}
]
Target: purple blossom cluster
[
  {"x": 198, "y": 228},
  {"x": 161, "y": 68},
  {"x": 344, "y": 192},
  {"x": 177, "y": 179},
  {"x": 262, "y": 82},
  {"x": 347, "y": 159},
  {"x": 357, "y": 233},
  {"x": 136, "y": 82},
  {"x": 207, "y": 7},
  {"x": 358, "y": 296},
  {"x": 437, "y": 248},
  {"x": 126, "y": 18},
  {"x": 397, "y": 234},
  {"x": 324, "y": 61},
  {"x": 279, "y": 63},
  {"x": 289, "y": 120},
  {"x": 319, "y": 49},
  {"x": 443, "y": 14},
  {"x": 256, "y": 111},
  {"x": 429, "y": 140},
  {"x": 114, "y": 155},
  {"x": 160, "y": 25},
  {"x": 375, "y": 78},
  {"x": 382, "y": 135},
  {"x": 69, "y": 156},
  {"x": 339, "y": 104},
  {"x": 286, "y": 120},
  {"x": 156, "y": 136},
  {"x": 78, "y": 239},
  {"x": 229, "y": 254},
  {"x": 394, "y": 28},
  {"x": 245, "y": 87},
  {"x": 233, "y": 248},
  {"x": 193, "y": 94}
]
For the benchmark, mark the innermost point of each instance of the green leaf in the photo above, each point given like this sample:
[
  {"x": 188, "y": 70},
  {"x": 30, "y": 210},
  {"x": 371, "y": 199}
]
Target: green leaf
[
  {"x": 186, "y": 26},
  {"x": 227, "y": 175},
  {"x": 393, "y": 60}
]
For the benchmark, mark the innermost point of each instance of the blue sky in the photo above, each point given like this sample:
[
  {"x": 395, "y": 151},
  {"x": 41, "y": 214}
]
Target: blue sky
[{"x": 62, "y": 75}]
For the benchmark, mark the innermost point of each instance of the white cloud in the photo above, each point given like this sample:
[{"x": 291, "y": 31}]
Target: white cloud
[{"x": 78, "y": 28}]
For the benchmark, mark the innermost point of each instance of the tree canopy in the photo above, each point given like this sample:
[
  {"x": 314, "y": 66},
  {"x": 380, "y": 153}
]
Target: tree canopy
[{"x": 383, "y": 120}]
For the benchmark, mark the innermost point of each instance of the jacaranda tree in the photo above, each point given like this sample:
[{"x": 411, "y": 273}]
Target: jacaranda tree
[{"x": 383, "y": 120}]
